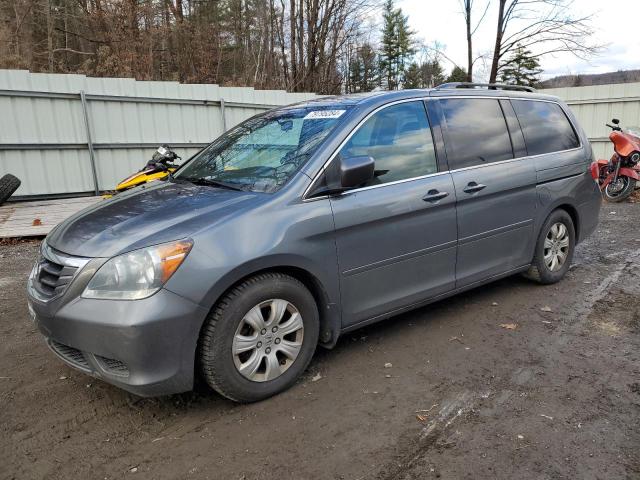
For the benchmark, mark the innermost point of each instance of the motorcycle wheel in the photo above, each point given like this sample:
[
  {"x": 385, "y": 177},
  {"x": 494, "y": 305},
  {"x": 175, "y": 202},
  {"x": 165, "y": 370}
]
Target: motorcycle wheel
[
  {"x": 8, "y": 185},
  {"x": 620, "y": 190}
]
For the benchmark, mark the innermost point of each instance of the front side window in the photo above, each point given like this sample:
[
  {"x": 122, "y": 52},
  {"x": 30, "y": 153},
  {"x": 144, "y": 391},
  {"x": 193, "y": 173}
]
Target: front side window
[
  {"x": 545, "y": 126},
  {"x": 476, "y": 132},
  {"x": 399, "y": 140},
  {"x": 262, "y": 153}
]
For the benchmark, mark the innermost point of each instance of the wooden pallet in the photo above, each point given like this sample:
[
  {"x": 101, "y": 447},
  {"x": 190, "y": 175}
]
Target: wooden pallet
[{"x": 31, "y": 219}]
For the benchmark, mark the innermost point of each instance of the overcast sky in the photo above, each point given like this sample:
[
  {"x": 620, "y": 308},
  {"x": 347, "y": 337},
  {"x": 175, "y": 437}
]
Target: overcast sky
[{"x": 617, "y": 24}]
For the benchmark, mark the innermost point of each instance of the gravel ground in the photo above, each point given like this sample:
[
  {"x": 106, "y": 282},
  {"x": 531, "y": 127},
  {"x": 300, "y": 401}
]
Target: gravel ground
[{"x": 554, "y": 395}]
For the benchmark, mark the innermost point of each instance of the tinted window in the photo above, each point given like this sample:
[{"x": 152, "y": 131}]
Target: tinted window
[
  {"x": 545, "y": 127},
  {"x": 476, "y": 132},
  {"x": 399, "y": 140}
]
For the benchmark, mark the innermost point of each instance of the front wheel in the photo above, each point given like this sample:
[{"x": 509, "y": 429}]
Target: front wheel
[
  {"x": 619, "y": 190},
  {"x": 554, "y": 249},
  {"x": 259, "y": 338}
]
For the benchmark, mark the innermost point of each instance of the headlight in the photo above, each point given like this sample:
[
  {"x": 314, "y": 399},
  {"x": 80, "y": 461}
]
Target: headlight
[{"x": 138, "y": 274}]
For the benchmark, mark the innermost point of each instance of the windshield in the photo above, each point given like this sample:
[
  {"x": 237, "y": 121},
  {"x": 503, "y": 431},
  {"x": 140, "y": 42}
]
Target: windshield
[
  {"x": 635, "y": 131},
  {"x": 262, "y": 153}
]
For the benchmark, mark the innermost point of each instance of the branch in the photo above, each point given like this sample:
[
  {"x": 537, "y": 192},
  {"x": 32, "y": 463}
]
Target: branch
[
  {"x": 71, "y": 50},
  {"x": 486, "y": 9}
]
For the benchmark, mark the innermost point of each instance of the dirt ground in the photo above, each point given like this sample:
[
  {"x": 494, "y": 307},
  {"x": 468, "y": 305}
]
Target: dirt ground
[{"x": 557, "y": 396}]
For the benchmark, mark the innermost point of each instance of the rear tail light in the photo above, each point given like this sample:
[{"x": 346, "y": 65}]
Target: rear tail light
[{"x": 594, "y": 168}]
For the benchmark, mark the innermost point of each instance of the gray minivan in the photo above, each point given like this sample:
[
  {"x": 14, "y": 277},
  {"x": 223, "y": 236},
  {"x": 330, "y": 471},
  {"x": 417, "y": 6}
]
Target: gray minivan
[{"x": 308, "y": 221}]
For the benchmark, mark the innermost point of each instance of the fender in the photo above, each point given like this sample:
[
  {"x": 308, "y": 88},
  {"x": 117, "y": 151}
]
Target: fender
[
  {"x": 624, "y": 172},
  {"x": 629, "y": 172},
  {"x": 329, "y": 308},
  {"x": 596, "y": 167}
]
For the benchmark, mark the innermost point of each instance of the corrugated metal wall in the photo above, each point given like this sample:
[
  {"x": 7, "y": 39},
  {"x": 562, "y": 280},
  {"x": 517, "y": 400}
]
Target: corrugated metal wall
[
  {"x": 596, "y": 105},
  {"x": 43, "y": 134}
]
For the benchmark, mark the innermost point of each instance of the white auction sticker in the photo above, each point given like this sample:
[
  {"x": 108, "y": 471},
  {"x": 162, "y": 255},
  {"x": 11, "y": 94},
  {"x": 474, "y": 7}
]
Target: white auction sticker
[{"x": 316, "y": 114}]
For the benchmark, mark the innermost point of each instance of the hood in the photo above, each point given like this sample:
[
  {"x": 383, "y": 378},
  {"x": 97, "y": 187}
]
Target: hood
[{"x": 145, "y": 216}]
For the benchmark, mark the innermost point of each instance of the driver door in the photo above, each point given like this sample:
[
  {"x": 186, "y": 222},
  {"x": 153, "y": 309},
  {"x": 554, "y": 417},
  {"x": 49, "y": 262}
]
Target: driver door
[{"x": 396, "y": 236}]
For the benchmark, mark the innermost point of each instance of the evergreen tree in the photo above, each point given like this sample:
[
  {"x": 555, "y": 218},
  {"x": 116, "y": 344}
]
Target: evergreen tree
[
  {"x": 432, "y": 73},
  {"x": 397, "y": 45},
  {"x": 413, "y": 77},
  {"x": 423, "y": 75},
  {"x": 363, "y": 70},
  {"x": 522, "y": 68},
  {"x": 457, "y": 75}
]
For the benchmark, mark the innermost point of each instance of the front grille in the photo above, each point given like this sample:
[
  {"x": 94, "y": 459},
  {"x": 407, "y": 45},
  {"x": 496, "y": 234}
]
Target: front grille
[
  {"x": 52, "y": 278},
  {"x": 53, "y": 272},
  {"x": 113, "y": 366},
  {"x": 70, "y": 354}
]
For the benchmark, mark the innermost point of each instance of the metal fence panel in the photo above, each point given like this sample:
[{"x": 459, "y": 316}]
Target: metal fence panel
[
  {"x": 44, "y": 140},
  {"x": 597, "y": 104}
]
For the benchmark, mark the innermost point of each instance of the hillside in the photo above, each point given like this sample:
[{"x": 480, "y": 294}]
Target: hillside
[{"x": 621, "y": 76}]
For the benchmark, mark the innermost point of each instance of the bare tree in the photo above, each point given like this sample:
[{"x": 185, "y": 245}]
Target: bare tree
[
  {"x": 467, "y": 9},
  {"x": 299, "y": 45},
  {"x": 547, "y": 26}
]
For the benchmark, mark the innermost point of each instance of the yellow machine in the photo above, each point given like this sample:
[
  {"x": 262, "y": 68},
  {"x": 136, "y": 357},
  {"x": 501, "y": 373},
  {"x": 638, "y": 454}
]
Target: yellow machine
[{"x": 160, "y": 166}]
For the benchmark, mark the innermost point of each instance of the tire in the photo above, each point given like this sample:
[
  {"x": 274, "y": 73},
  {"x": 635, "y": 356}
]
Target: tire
[
  {"x": 231, "y": 325},
  {"x": 8, "y": 185},
  {"x": 629, "y": 185},
  {"x": 540, "y": 271}
]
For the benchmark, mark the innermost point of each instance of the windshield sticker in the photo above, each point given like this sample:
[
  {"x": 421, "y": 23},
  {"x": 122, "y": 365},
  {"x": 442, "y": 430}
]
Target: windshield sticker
[{"x": 318, "y": 114}]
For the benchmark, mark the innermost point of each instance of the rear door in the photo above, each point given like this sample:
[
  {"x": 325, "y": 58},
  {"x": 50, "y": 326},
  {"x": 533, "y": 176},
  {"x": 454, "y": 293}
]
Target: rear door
[
  {"x": 396, "y": 236},
  {"x": 496, "y": 193}
]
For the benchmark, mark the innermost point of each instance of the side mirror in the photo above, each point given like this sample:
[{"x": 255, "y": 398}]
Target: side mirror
[
  {"x": 355, "y": 171},
  {"x": 615, "y": 121}
]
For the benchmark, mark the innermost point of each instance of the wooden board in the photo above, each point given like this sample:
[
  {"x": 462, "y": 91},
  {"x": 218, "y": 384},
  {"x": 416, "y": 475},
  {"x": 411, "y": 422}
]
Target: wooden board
[{"x": 37, "y": 218}]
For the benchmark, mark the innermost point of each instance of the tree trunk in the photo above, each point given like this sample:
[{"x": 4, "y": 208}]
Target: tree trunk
[
  {"x": 301, "y": 43},
  {"x": 467, "y": 15},
  {"x": 498, "y": 44},
  {"x": 49, "y": 37},
  {"x": 294, "y": 59}
]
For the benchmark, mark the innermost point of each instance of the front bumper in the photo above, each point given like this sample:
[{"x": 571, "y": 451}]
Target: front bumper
[{"x": 146, "y": 347}]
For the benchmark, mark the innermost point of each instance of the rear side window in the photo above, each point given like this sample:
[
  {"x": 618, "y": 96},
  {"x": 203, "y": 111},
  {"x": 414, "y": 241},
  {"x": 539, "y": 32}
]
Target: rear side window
[
  {"x": 545, "y": 126},
  {"x": 476, "y": 132},
  {"x": 399, "y": 140}
]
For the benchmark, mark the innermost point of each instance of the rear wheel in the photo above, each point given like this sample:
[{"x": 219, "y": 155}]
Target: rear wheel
[
  {"x": 259, "y": 338},
  {"x": 8, "y": 185},
  {"x": 554, "y": 249},
  {"x": 619, "y": 190}
]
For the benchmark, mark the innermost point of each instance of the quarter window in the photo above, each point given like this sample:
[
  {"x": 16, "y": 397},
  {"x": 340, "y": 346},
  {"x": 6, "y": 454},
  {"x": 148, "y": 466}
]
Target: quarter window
[
  {"x": 399, "y": 140},
  {"x": 545, "y": 126},
  {"x": 476, "y": 132}
]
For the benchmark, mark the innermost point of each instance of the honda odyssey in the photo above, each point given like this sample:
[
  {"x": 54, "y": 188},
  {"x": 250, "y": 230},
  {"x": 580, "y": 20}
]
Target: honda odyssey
[{"x": 309, "y": 221}]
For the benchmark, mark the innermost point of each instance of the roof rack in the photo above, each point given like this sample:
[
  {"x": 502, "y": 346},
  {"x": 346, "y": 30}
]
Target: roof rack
[{"x": 489, "y": 86}]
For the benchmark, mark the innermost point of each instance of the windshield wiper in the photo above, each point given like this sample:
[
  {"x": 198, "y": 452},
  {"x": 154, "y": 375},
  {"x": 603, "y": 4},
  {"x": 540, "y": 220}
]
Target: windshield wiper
[{"x": 211, "y": 183}]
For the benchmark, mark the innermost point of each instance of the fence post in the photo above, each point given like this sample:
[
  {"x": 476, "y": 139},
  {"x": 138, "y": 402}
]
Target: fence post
[
  {"x": 223, "y": 116},
  {"x": 92, "y": 157}
]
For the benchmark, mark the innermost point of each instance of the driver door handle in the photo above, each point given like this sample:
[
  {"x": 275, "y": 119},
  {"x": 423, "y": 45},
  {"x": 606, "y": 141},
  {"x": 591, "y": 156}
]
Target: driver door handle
[
  {"x": 434, "y": 195},
  {"x": 473, "y": 187}
]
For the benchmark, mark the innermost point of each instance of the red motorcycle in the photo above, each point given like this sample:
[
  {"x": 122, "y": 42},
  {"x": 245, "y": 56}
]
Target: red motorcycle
[{"x": 617, "y": 177}]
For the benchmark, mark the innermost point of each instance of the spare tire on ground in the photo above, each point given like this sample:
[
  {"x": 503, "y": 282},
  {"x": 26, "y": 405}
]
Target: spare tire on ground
[{"x": 8, "y": 185}]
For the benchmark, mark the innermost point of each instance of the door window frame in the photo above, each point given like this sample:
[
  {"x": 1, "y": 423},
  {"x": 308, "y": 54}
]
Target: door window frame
[
  {"x": 508, "y": 99},
  {"x": 567, "y": 117},
  {"x": 447, "y": 137},
  {"x": 435, "y": 118},
  {"x": 441, "y": 164}
]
